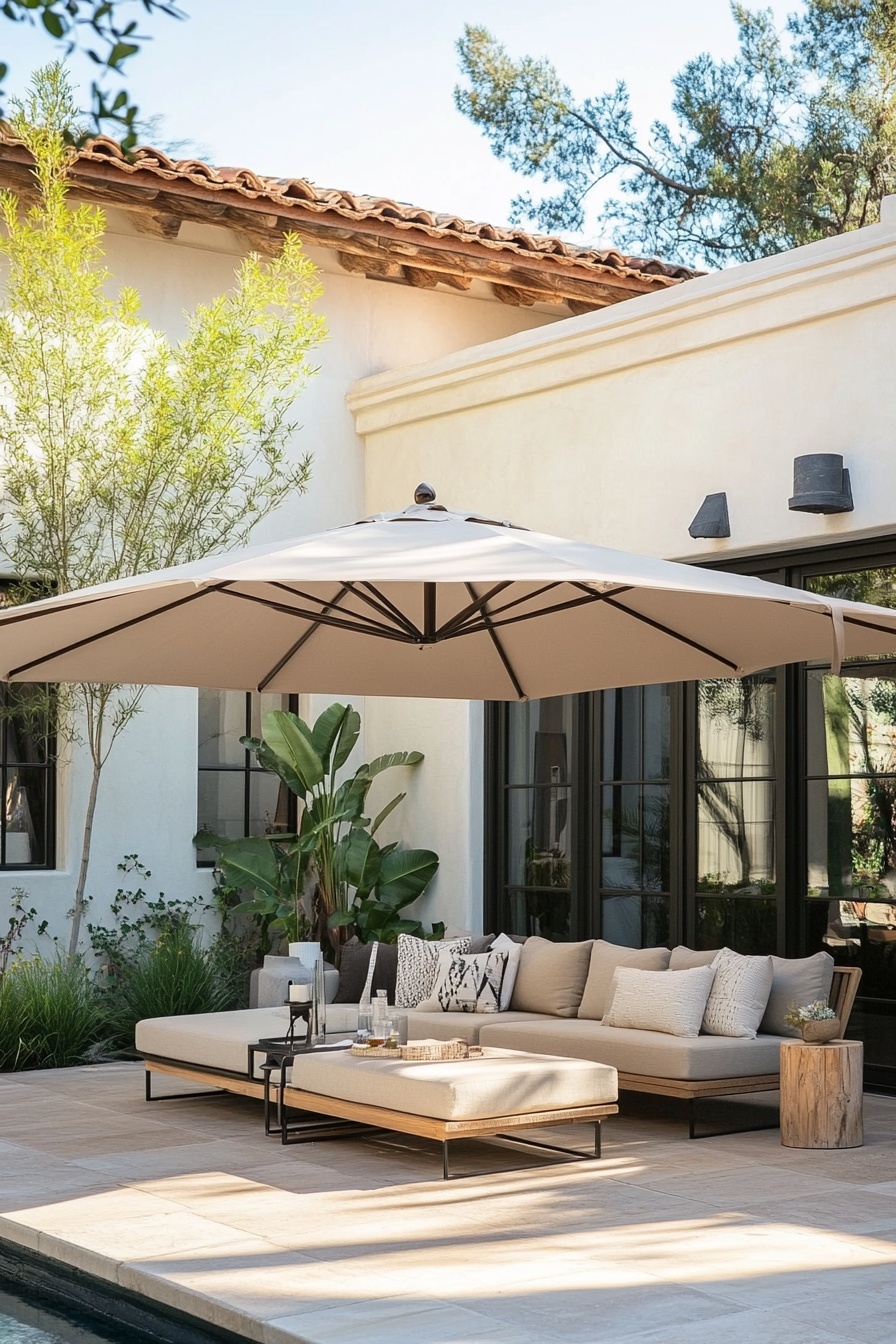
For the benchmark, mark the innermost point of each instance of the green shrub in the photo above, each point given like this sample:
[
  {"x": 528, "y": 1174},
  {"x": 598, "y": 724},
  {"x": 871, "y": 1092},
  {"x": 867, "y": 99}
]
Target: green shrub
[
  {"x": 172, "y": 975},
  {"x": 50, "y": 1014}
]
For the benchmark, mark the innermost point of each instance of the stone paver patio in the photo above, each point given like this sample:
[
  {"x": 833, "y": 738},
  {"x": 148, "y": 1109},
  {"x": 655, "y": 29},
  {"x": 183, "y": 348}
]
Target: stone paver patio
[{"x": 727, "y": 1239}]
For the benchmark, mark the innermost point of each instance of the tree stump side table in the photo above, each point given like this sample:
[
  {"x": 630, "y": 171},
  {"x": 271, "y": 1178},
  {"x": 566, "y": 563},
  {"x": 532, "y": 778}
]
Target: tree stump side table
[{"x": 821, "y": 1094}]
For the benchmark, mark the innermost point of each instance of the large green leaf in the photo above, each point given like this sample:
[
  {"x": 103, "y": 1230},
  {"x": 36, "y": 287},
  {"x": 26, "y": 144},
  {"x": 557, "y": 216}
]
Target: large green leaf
[
  {"x": 269, "y": 760},
  {"x": 251, "y": 863},
  {"x": 390, "y": 807},
  {"x": 382, "y": 763},
  {"x": 349, "y": 732},
  {"x": 405, "y": 874},
  {"x": 359, "y": 860},
  {"x": 337, "y": 726},
  {"x": 289, "y": 739}
]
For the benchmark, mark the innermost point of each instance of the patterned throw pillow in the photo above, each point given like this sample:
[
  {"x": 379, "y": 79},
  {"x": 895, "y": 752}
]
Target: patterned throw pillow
[
  {"x": 417, "y": 961},
  {"x": 467, "y": 982},
  {"x": 739, "y": 994}
]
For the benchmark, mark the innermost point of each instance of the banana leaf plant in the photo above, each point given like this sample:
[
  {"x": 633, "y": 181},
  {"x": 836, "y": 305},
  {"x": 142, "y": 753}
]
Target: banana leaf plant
[
  {"x": 356, "y": 882},
  {"x": 273, "y": 868}
]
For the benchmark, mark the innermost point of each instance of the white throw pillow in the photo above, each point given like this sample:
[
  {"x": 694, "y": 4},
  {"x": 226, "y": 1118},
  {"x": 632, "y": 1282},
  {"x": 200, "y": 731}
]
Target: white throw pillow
[
  {"x": 417, "y": 961},
  {"x": 467, "y": 982},
  {"x": 739, "y": 994},
  {"x": 514, "y": 951},
  {"x": 673, "y": 1003}
]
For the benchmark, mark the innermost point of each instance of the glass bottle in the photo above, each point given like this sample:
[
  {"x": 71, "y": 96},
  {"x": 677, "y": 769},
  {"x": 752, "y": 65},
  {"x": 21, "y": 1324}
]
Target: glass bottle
[
  {"x": 318, "y": 1031},
  {"x": 380, "y": 1015}
]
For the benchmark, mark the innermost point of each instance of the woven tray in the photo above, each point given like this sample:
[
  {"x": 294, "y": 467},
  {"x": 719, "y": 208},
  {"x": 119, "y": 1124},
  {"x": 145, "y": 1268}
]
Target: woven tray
[
  {"x": 376, "y": 1051},
  {"x": 420, "y": 1052}
]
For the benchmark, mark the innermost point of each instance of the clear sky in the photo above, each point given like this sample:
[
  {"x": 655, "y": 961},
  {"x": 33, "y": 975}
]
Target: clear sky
[{"x": 357, "y": 94}]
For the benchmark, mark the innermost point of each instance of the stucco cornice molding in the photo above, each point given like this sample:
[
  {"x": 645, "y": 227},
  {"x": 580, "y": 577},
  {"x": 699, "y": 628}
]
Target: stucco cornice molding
[{"x": 793, "y": 289}]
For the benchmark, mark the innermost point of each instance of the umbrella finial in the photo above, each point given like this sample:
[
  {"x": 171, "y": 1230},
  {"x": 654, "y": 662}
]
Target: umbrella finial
[{"x": 424, "y": 494}]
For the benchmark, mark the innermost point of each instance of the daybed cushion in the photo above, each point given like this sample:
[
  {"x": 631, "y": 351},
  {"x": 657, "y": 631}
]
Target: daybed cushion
[
  {"x": 212, "y": 1040},
  {"x": 605, "y": 957},
  {"x": 658, "y": 1001},
  {"x": 796, "y": 980},
  {"x": 503, "y": 1083},
  {"x": 651, "y": 1053},
  {"x": 551, "y": 977}
]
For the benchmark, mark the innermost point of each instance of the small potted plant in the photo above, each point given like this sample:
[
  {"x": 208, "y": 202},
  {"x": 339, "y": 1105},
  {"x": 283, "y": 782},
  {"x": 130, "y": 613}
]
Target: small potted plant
[{"x": 816, "y": 1022}]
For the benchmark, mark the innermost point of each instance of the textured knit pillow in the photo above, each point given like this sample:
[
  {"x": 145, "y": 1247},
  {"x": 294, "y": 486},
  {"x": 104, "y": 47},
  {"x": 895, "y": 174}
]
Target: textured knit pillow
[
  {"x": 739, "y": 994},
  {"x": 467, "y": 982},
  {"x": 514, "y": 950},
  {"x": 605, "y": 957},
  {"x": 417, "y": 961},
  {"x": 659, "y": 1000}
]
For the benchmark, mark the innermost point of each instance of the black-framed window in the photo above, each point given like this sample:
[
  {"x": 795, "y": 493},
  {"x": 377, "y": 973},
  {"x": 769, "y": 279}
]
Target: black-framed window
[
  {"x": 27, "y": 778},
  {"x": 758, "y": 814},
  {"x": 235, "y": 796}
]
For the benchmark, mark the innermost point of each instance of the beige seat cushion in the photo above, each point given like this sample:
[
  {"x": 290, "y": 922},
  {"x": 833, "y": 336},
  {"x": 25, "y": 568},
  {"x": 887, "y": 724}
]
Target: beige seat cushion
[
  {"x": 449, "y": 1026},
  {"x": 212, "y": 1040},
  {"x": 646, "y": 1052},
  {"x": 605, "y": 957},
  {"x": 503, "y": 1083},
  {"x": 551, "y": 977}
]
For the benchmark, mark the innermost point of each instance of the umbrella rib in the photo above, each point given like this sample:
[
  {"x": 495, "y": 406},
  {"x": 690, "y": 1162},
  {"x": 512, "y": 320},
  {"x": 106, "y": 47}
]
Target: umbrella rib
[
  {"x": 381, "y": 603},
  {"x": 357, "y": 625},
  {"x": 113, "y": 630},
  {"x": 665, "y": 630},
  {"x": 474, "y": 608},
  {"x": 521, "y": 695},
  {"x": 300, "y": 642},
  {"x": 589, "y": 596},
  {"x": 471, "y": 629}
]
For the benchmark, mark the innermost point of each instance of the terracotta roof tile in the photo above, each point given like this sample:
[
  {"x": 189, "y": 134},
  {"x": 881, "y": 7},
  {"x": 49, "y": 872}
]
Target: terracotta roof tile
[{"x": 299, "y": 197}]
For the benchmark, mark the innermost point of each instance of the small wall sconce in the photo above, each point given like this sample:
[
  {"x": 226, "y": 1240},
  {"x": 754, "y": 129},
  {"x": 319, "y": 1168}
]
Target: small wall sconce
[
  {"x": 711, "y": 519},
  {"x": 820, "y": 484}
]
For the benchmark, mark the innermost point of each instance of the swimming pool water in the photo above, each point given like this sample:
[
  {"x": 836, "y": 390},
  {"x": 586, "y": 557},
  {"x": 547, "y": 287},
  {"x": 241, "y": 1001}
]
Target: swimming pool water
[{"x": 28, "y": 1322}]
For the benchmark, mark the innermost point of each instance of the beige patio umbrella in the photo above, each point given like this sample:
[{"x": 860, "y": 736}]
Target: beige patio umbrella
[{"x": 430, "y": 602}]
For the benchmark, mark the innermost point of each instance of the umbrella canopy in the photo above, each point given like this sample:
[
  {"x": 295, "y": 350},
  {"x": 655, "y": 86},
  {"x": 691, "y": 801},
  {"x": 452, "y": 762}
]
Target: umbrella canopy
[{"x": 429, "y": 602}]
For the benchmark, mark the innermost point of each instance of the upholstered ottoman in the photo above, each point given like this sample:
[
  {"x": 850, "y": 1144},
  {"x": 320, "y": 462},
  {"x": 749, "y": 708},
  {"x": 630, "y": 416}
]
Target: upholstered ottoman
[{"x": 496, "y": 1095}]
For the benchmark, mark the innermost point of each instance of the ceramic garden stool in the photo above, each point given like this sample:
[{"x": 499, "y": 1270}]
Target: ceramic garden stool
[{"x": 821, "y": 1094}]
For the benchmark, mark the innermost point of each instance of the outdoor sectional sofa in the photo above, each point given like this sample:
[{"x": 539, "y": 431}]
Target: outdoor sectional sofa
[{"x": 558, "y": 1003}]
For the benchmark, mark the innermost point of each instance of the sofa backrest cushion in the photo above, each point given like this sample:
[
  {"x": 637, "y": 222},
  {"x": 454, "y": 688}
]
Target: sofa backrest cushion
[
  {"x": 796, "y": 981},
  {"x": 683, "y": 958},
  {"x": 551, "y": 977},
  {"x": 605, "y": 957},
  {"x": 739, "y": 994},
  {"x": 658, "y": 1001},
  {"x": 353, "y": 968}
]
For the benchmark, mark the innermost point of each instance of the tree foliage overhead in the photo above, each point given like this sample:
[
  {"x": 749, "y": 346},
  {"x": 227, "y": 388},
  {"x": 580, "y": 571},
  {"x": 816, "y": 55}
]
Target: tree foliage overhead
[
  {"x": 105, "y": 32},
  {"x": 791, "y": 141}
]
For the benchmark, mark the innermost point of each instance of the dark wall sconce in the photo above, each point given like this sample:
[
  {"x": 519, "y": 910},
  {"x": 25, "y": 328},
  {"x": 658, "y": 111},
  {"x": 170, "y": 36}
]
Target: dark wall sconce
[
  {"x": 820, "y": 484},
  {"x": 711, "y": 519}
]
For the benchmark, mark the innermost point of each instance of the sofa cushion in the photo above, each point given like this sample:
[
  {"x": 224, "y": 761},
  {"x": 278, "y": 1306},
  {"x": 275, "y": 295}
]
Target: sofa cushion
[
  {"x": 354, "y": 965},
  {"x": 501, "y": 1083},
  {"x": 683, "y": 958},
  {"x": 466, "y": 983},
  {"x": 739, "y": 994},
  {"x": 551, "y": 977},
  {"x": 658, "y": 1001},
  {"x": 605, "y": 957},
  {"x": 417, "y": 961},
  {"x": 796, "y": 980},
  {"x": 214, "y": 1040},
  {"x": 649, "y": 1053}
]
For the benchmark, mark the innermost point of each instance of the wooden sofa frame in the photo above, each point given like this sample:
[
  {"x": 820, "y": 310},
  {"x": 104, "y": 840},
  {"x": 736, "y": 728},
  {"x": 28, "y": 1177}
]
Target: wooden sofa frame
[{"x": 844, "y": 987}]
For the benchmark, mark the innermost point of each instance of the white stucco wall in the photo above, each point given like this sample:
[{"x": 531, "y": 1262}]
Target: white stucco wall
[
  {"x": 614, "y": 426},
  {"x": 147, "y": 801}
]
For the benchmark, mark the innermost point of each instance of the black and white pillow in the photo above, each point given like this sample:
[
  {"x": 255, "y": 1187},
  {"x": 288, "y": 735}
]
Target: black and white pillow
[
  {"x": 417, "y": 962},
  {"x": 467, "y": 982}
]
